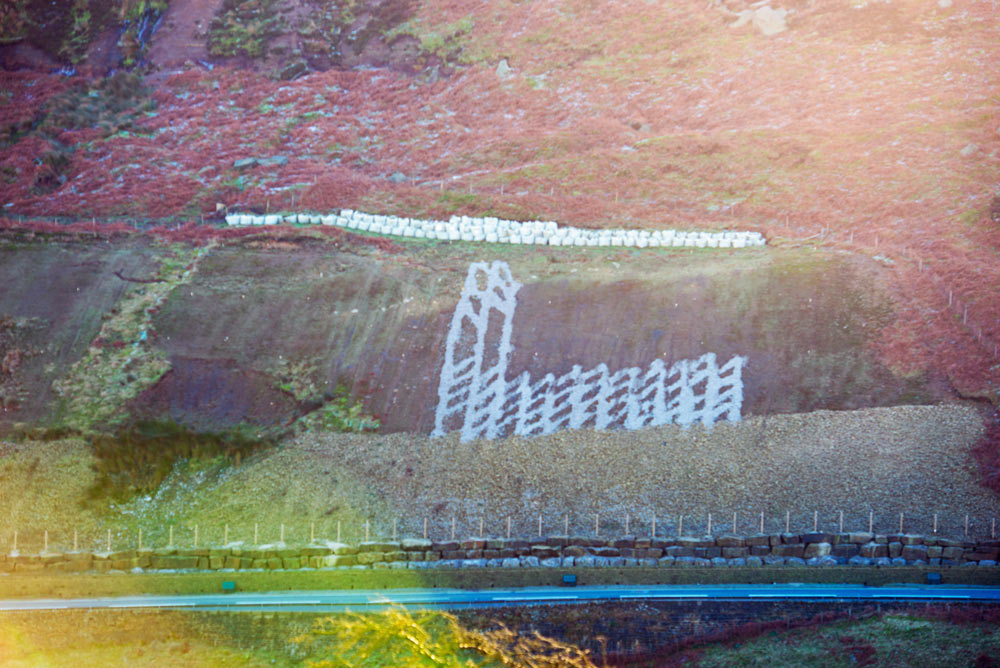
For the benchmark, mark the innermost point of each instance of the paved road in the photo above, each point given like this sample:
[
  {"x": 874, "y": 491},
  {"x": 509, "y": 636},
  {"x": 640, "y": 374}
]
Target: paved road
[{"x": 336, "y": 601}]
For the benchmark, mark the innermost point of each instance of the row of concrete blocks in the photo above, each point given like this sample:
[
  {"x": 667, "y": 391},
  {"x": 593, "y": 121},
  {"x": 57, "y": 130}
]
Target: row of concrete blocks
[{"x": 494, "y": 230}]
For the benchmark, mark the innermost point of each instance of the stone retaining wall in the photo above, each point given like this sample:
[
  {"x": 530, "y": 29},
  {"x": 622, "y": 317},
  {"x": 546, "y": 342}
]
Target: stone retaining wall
[
  {"x": 810, "y": 549},
  {"x": 496, "y": 230}
]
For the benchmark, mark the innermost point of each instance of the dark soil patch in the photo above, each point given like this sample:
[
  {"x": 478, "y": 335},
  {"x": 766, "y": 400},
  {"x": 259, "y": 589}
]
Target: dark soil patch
[{"x": 207, "y": 394}]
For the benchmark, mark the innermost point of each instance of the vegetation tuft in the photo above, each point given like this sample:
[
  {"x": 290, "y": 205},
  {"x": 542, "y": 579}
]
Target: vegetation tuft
[
  {"x": 398, "y": 637},
  {"x": 137, "y": 458},
  {"x": 244, "y": 27}
]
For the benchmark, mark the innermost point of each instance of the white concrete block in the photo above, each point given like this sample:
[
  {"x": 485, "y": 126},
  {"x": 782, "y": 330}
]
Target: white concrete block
[
  {"x": 725, "y": 243},
  {"x": 515, "y": 238},
  {"x": 713, "y": 243},
  {"x": 419, "y": 234},
  {"x": 491, "y": 237},
  {"x": 454, "y": 235},
  {"x": 739, "y": 243},
  {"x": 364, "y": 225}
]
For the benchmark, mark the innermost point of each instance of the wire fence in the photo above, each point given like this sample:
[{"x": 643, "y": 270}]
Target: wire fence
[{"x": 966, "y": 528}]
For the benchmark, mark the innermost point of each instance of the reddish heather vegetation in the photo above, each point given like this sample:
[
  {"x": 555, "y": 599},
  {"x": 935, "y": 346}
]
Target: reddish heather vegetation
[{"x": 872, "y": 127}]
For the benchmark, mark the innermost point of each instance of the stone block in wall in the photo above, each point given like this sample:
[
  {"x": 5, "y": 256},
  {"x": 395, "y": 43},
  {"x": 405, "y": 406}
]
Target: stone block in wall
[
  {"x": 788, "y": 550},
  {"x": 274, "y": 563},
  {"x": 708, "y": 552},
  {"x": 246, "y": 562},
  {"x": 605, "y": 552},
  {"x": 651, "y": 553},
  {"x": 660, "y": 543},
  {"x": 790, "y": 538},
  {"x": 452, "y": 554},
  {"x": 754, "y": 561},
  {"x": 719, "y": 562},
  {"x": 817, "y": 537},
  {"x": 980, "y": 555},
  {"x": 730, "y": 541},
  {"x": 491, "y": 554},
  {"x": 915, "y": 552},
  {"x": 825, "y": 560},
  {"x": 735, "y": 552},
  {"x": 473, "y": 544},
  {"x": 760, "y": 550},
  {"x": 677, "y": 551},
  {"x": 528, "y": 561},
  {"x": 796, "y": 562},
  {"x": 339, "y": 560},
  {"x": 628, "y": 552},
  {"x": 381, "y": 546},
  {"x": 911, "y": 539},
  {"x": 102, "y": 565},
  {"x": 202, "y": 563},
  {"x": 643, "y": 543},
  {"x": 880, "y": 538},
  {"x": 517, "y": 544},
  {"x": 624, "y": 541},
  {"x": 895, "y": 549},
  {"x": 846, "y": 550},
  {"x": 494, "y": 544},
  {"x": 557, "y": 541},
  {"x": 687, "y": 541},
  {"x": 874, "y": 550},
  {"x": 757, "y": 539},
  {"x": 432, "y": 555},
  {"x": 396, "y": 555},
  {"x": 817, "y": 550},
  {"x": 415, "y": 544},
  {"x": 174, "y": 562},
  {"x": 313, "y": 551},
  {"x": 341, "y": 548},
  {"x": 124, "y": 554},
  {"x": 860, "y": 537},
  {"x": 129, "y": 564},
  {"x": 574, "y": 551},
  {"x": 373, "y": 557},
  {"x": 544, "y": 551},
  {"x": 442, "y": 546},
  {"x": 291, "y": 563}
]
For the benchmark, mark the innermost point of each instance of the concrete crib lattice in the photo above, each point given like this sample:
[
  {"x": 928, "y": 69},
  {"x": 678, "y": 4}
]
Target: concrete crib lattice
[
  {"x": 481, "y": 402},
  {"x": 497, "y": 230},
  {"x": 789, "y": 550}
]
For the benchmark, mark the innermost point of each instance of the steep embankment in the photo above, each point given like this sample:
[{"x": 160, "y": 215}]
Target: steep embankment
[{"x": 259, "y": 334}]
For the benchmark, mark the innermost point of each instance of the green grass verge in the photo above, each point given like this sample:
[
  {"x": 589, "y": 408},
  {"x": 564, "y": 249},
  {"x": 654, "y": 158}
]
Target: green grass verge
[{"x": 73, "y": 586}]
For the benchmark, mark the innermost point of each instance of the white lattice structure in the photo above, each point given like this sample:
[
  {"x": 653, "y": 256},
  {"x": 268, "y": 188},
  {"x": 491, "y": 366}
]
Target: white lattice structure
[{"x": 475, "y": 396}]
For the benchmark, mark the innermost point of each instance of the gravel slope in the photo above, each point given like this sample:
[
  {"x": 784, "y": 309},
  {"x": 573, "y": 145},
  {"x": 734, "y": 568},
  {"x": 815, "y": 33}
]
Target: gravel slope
[{"x": 910, "y": 459}]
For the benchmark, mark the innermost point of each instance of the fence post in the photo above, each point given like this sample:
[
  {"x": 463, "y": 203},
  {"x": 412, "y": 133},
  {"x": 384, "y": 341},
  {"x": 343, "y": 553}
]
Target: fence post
[
  {"x": 256, "y": 534},
  {"x": 680, "y": 526},
  {"x": 652, "y": 533},
  {"x": 935, "y": 522},
  {"x": 196, "y": 536},
  {"x": 109, "y": 540},
  {"x": 841, "y": 522},
  {"x": 734, "y": 523},
  {"x": 966, "y": 525},
  {"x": 453, "y": 527},
  {"x": 508, "y": 527},
  {"x": 282, "y": 532},
  {"x": 871, "y": 521},
  {"x": 76, "y": 546},
  {"x": 312, "y": 531},
  {"x": 45, "y": 544},
  {"x": 425, "y": 529},
  {"x": 762, "y": 521},
  {"x": 394, "y": 521},
  {"x": 787, "y": 522},
  {"x": 225, "y": 536},
  {"x": 597, "y": 524},
  {"x": 710, "y": 524},
  {"x": 480, "y": 527},
  {"x": 626, "y": 523},
  {"x": 566, "y": 525},
  {"x": 901, "y": 523},
  {"x": 170, "y": 543},
  {"x": 140, "y": 538},
  {"x": 368, "y": 529}
]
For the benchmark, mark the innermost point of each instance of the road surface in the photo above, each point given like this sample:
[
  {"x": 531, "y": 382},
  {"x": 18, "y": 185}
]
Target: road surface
[{"x": 338, "y": 601}]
